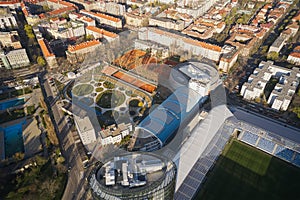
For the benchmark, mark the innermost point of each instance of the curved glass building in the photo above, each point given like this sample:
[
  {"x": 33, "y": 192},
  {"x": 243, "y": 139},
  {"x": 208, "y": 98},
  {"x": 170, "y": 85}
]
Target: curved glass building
[{"x": 134, "y": 176}]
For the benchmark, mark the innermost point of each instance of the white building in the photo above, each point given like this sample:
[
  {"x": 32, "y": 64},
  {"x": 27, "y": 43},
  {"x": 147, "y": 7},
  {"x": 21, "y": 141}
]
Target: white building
[
  {"x": 294, "y": 58},
  {"x": 61, "y": 29},
  {"x": 7, "y": 19},
  {"x": 86, "y": 20},
  {"x": 85, "y": 129},
  {"x": 18, "y": 58},
  {"x": 114, "y": 134},
  {"x": 283, "y": 92}
]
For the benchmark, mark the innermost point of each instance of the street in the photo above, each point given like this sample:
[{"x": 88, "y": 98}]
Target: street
[{"x": 68, "y": 147}]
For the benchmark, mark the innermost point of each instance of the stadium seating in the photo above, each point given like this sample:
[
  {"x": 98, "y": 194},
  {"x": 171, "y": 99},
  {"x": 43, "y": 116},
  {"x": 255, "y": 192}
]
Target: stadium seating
[
  {"x": 266, "y": 145},
  {"x": 284, "y": 153},
  {"x": 296, "y": 160},
  {"x": 249, "y": 138}
]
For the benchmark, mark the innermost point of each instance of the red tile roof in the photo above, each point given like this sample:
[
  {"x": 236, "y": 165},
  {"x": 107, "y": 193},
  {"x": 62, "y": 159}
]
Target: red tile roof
[
  {"x": 114, "y": 19},
  {"x": 61, "y": 11},
  {"x": 295, "y": 54},
  {"x": 102, "y": 31},
  {"x": 73, "y": 48},
  {"x": 9, "y": 2},
  {"x": 45, "y": 48}
]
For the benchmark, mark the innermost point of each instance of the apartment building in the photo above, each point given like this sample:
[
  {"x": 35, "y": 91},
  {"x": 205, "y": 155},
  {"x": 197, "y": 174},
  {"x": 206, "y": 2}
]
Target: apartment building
[
  {"x": 114, "y": 133},
  {"x": 62, "y": 29},
  {"x": 47, "y": 53},
  {"x": 284, "y": 90},
  {"x": 104, "y": 19},
  {"x": 10, "y": 39},
  {"x": 7, "y": 19},
  {"x": 180, "y": 42},
  {"x": 77, "y": 53},
  {"x": 99, "y": 33}
]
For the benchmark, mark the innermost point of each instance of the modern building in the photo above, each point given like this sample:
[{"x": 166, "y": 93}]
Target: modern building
[
  {"x": 134, "y": 176},
  {"x": 284, "y": 90},
  {"x": 77, "y": 53},
  {"x": 84, "y": 126},
  {"x": 161, "y": 125},
  {"x": 16, "y": 59}
]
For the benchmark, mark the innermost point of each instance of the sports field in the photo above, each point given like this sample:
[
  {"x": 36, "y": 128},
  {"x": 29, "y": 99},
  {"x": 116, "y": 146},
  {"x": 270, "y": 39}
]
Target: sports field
[{"x": 243, "y": 172}]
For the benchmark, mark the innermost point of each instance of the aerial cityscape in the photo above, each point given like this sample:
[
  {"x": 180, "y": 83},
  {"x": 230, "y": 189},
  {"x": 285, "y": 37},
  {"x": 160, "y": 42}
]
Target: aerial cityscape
[{"x": 149, "y": 99}]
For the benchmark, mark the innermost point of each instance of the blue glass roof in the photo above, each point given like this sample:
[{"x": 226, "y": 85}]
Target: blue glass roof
[{"x": 167, "y": 117}]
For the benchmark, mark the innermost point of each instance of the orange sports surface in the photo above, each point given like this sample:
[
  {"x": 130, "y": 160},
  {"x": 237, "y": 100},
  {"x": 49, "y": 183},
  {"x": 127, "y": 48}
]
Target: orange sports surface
[{"x": 134, "y": 81}]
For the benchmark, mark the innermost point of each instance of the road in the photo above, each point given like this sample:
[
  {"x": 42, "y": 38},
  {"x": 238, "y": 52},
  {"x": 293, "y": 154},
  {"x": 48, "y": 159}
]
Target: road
[
  {"x": 267, "y": 123},
  {"x": 67, "y": 144}
]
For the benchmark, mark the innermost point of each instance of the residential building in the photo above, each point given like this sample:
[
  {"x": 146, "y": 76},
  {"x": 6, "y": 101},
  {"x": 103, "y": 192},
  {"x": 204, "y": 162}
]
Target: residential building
[
  {"x": 7, "y": 19},
  {"x": 284, "y": 90},
  {"x": 79, "y": 17},
  {"x": 281, "y": 96},
  {"x": 171, "y": 19},
  {"x": 10, "y": 39},
  {"x": 156, "y": 49},
  {"x": 194, "y": 8},
  {"x": 77, "y": 53},
  {"x": 13, "y": 4},
  {"x": 104, "y": 19},
  {"x": 136, "y": 19},
  {"x": 113, "y": 8},
  {"x": 228, "y": 58},
  {"x": 47, "y": 53},
  {"x": 98, "y": 33},
  {"x": 243, "y": 42},
  {"x": 294, "y": 57},
  {"x": 283, "y": 37},
  {"x": 115, "y": 133},
  {"x": 179, "y": 42},
  {"x": 167, "y": 23},
  {"x": 62, "y": 29}
]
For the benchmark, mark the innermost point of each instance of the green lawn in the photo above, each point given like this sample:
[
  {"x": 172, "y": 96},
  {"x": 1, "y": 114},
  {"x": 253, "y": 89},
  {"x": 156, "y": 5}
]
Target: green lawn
[
  {"x": 244, "y": 172},
  {"x": 82, "y": 89}
]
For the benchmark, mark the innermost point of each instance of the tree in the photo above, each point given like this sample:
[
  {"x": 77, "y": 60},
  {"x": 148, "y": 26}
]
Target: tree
[
  {"x": 46, "y": 8},
  {"x": 41, "y": 61},
  {"x": 296, "y": 110},
  {"x": 273, "y": 55},
  {"x": 89, "y": 37}
]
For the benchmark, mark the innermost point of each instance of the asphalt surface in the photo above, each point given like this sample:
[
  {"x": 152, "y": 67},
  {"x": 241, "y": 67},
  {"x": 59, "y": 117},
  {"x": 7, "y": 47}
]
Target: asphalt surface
[{"x": 67, "y": 144}]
